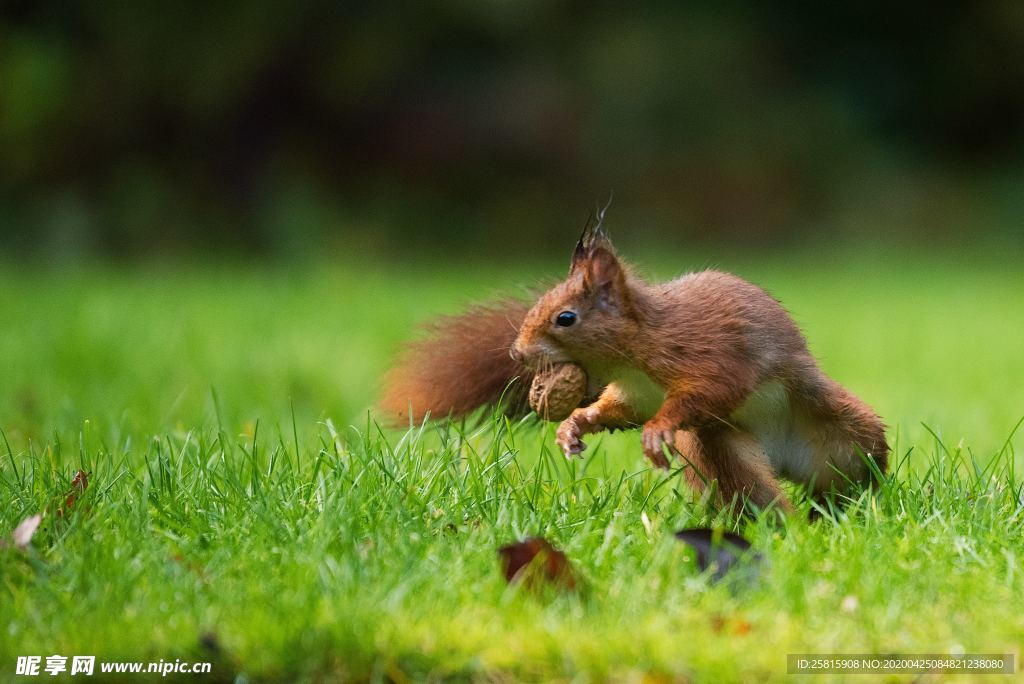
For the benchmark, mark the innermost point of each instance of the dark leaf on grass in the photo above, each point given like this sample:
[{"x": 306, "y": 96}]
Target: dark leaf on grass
[
  {"x": 535, "y": 562},
  {"x": 718, "y": 549},
  {"x": 22, "y": 534},
  {"x": 210, "y": 642}
]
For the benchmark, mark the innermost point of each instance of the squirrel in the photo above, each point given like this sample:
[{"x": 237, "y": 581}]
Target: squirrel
[{"x": 711, "y": 368}]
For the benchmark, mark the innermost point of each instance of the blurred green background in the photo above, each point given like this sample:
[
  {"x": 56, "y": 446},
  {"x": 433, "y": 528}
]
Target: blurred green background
[
  {"x": 140, "y": 130},
  {"x": 130, "y": 353},
  {"x": 265, "y": 198},
  {"x": 219, "y": 221}
]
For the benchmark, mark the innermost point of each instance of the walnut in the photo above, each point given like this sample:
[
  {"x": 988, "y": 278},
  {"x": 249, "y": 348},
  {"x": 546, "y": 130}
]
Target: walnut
[{"x": 555, "y": 393}]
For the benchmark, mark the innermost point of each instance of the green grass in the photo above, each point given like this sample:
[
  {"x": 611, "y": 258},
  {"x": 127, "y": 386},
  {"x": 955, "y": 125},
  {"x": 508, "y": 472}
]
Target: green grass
[{"x": 240, "y": 489}]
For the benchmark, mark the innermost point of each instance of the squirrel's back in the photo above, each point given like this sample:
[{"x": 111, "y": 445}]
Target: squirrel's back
[{"x": 713, "y": 312}]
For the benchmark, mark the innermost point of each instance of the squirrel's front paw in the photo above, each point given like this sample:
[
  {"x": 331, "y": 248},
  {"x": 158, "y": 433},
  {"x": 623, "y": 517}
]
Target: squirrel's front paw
[
  {"x": 581, "y": 422},
  {"x": 655, "y": 437}
]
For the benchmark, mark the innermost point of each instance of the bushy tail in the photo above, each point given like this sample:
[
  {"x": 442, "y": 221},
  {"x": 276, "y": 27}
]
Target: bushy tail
[{"x": 463, "y": 363}]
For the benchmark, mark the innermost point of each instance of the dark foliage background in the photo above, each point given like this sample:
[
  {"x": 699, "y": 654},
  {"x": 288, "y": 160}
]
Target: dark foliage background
[{"x": 140, "y": 128}]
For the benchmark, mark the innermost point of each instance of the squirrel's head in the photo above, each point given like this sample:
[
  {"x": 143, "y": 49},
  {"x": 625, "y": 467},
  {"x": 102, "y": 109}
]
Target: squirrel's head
[{"x": 585, "y": 318}]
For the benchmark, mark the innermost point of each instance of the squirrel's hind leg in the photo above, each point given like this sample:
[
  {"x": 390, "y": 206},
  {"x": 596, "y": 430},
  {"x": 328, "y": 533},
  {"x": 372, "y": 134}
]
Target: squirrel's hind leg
[
  {"x": 848, "y": 445},
  {"x": 733, "y": 464}
]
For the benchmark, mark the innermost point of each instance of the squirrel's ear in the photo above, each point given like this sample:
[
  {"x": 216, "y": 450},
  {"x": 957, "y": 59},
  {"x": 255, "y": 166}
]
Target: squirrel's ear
[{"x": 603, "y": 275}]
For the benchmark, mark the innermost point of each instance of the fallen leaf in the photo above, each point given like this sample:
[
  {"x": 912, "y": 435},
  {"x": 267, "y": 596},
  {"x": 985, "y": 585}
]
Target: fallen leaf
[
  {"x": 535, "y": 561},
  {"x": 193, "y": 567},
  {"x": 22, "y": 534},
  {"x": 738, "y": 625},
  {"x": 717, "y": 623},
  {"x": 210, "y": 642},
  {"x": 662, "y": 678},
  {"x": 79, "y": 483},
  {"x": 742, "y": 627},
  {"x": 718, "y": 548}
]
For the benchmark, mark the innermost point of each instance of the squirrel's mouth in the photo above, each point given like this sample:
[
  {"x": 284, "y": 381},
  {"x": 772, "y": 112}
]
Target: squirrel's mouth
[{"x": 538, "y": 356}]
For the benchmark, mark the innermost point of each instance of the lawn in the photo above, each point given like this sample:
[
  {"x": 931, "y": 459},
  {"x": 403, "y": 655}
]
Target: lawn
[{"x": 243, "y": 507}]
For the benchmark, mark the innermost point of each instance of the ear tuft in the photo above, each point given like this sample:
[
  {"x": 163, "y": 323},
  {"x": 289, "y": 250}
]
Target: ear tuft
[
  {"x": 592, "y": 239},
  {"x": 579, "y": 254},
  {"x": 599, "y": 237}
]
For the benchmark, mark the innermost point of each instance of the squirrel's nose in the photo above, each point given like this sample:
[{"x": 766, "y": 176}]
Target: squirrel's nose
[{"x": 516, "y": 355}]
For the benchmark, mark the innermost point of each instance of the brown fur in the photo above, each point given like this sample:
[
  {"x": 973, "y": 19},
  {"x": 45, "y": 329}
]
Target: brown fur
[
  {"x": 712, "y": 367},
  {"x": 462, "y": 364},
  {"x": 715, "y": 345},
  {"x": 732, "y": 466}
]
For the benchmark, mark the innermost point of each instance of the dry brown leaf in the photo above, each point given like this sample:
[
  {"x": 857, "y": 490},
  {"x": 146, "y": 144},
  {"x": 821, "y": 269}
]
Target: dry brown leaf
[
  {"x": 717, "y": 623},
  {"x": 742, "y": 627},
  {"x": 79, "y": 483},
  {"x": 535, "y": 562},
  {"x": 737, "y": 626}
]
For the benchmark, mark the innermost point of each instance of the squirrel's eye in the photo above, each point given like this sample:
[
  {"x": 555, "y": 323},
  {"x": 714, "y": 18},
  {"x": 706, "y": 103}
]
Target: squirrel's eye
[{"x": 565, "y": 319}]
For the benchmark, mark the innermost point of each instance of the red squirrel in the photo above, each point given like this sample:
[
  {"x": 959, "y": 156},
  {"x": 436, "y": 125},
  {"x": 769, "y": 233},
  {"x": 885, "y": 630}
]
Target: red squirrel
[{"x": 711, "y": 367}]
